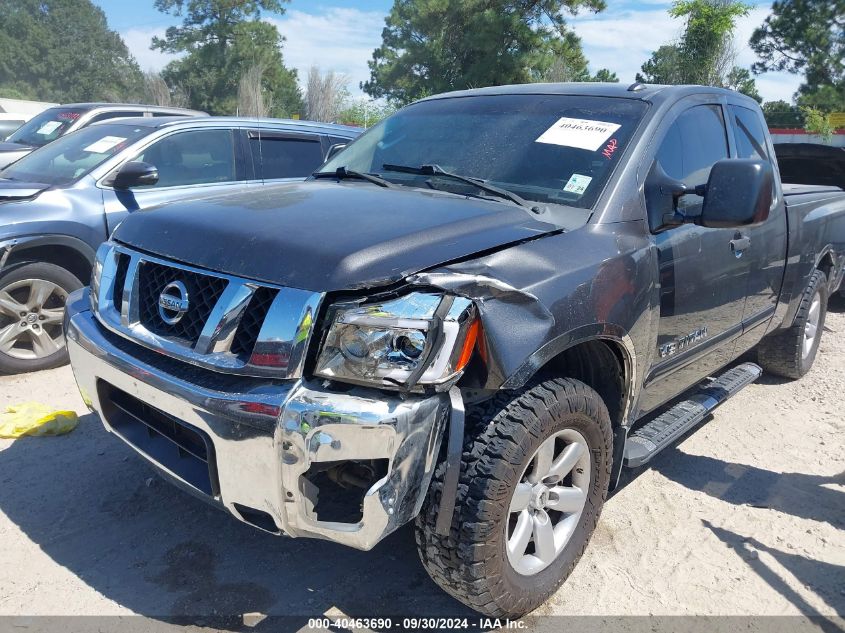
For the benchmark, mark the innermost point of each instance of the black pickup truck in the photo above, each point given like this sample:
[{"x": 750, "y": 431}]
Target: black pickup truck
[{"x": 469, "y": 318}]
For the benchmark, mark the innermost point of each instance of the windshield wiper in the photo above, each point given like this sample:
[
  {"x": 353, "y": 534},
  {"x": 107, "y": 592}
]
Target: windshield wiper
[
  {"x": 342, "y": 173},
  {"x": 436, "y": 170}
]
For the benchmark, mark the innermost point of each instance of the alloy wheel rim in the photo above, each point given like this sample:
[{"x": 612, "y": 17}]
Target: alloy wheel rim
[
  {"x": 31, "y": 313},
  {"x": 811, "y": 327},
  {"x": 547, "y": 503}
]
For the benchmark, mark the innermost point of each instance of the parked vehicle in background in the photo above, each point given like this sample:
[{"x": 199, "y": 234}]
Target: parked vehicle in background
[
  {"x": 57, "y": 121},
  {"x": 16, "y": 112},
  {"x": 9, "y": 123},
  {"x": 61, "y": 201},
  {"x": 469, "y": 319},
  {"x": 811, "y": 164}
]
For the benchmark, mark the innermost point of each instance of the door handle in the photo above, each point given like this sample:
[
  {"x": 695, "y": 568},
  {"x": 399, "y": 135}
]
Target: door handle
[{"x": 739, "y": 244}]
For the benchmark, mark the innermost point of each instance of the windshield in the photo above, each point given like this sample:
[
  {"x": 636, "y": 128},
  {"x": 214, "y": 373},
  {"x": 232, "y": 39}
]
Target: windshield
[
  {"x": 74, "y": 155},
  {"x": 548, "y": 148},
  {"x": 46, "y": 127}
]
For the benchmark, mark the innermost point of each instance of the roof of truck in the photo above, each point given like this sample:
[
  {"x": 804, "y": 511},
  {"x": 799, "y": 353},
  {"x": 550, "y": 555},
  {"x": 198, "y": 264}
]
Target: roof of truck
[{"x": 637, "y": 90}]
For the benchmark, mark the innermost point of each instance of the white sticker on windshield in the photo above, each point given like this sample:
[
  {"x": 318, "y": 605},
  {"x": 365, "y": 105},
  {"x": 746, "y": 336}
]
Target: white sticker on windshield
[
  {"x": 104, "y": 144},
  {"x": 49, "y": 127},
  {"x": 581, "y": 133},
  {"x": 578, "y": 184}
]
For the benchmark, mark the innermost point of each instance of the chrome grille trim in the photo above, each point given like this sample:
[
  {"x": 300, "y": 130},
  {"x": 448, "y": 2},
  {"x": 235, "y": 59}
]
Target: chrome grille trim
[{"x": 282, "y": 341}]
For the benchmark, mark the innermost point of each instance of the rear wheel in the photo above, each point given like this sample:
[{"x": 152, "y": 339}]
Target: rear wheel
[
  {"x": 32, "y": 306},
  {"x": 791, "y": 353},
  {"x": 534, "y": 475}
]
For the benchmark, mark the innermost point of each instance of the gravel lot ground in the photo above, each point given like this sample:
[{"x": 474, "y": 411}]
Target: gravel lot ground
[{"x": 745, "y": 517}]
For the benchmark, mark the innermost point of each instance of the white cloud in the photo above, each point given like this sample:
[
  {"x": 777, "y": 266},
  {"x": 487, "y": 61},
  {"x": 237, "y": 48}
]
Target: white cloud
[
  {"x": 338, "y": 39},
  {"x": 138, "y": 42},
  {"x": 343, "y": 39}
]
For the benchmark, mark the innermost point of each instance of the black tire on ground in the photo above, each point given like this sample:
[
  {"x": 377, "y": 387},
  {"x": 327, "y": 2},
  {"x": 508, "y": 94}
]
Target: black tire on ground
[
  {"x": 502, "y": 435},
  {"x": 11, "y": 279},
  {"x": 782, "y": 354}
]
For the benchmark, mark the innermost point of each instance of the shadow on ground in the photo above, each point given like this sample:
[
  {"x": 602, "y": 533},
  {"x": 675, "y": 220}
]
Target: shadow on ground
[
  {"x": 801, "y": 495},
  {"x": 88, "y": 502},
  {"x": 808, "y": 571}
]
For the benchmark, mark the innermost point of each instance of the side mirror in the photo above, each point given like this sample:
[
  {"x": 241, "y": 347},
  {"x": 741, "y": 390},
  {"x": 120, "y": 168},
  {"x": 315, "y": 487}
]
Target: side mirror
[
  {"x": 135, "y": 174},
  {"x": 334, "y": 150},
  {"x": 739, "y": 193}
]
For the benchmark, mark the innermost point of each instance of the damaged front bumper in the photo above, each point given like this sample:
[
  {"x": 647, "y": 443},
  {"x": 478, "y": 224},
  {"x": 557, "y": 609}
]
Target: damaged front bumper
[{"x": 258, "y": 447}]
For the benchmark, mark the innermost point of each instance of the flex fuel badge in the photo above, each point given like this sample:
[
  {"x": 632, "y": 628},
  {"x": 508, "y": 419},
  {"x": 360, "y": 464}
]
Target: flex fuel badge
[{"x": 577, "y": 184}]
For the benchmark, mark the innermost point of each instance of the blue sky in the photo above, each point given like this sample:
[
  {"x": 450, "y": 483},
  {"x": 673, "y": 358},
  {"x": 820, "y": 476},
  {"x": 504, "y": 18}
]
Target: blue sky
[{"x": 341, "y": 36}]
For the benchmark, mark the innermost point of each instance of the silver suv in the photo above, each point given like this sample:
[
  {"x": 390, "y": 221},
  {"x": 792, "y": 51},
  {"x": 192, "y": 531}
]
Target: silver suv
[
  {"x": 55, "y": 122},
  {"x": 62, "y": 200}
]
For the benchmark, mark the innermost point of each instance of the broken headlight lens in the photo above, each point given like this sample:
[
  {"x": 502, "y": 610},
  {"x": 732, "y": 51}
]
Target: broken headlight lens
[{"x": 417, "y": 339}]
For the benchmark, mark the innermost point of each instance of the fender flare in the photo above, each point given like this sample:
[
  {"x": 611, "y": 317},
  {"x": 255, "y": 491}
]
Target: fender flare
[
  {"x": 591, "y": 332},
  {"x": 22, "y": 244}
]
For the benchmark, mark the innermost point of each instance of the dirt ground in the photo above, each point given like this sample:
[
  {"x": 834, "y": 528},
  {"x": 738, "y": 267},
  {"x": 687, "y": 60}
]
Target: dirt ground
[{"x": 745, "y": 517}]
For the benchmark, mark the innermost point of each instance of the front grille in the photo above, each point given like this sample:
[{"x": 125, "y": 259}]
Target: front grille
[
  {"x": 181, "y": 448},
  {"x": 247, "y": 334},
  {"x": 231, "y": 311},
  {"x": 203, "y": 293},
  {"x": 120, "y": 278}
]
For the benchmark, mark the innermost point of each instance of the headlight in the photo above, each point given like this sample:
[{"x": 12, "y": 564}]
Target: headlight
[
  {"x": 102, "y": 253},
  {"x": 418, "y": 339}
]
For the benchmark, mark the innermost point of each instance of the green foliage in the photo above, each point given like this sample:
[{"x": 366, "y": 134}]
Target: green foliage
[
  {"x": 782, "y": 114},
  {"x": 223, "y": 40},
  {"x": 709, "y": 24},
  {"x": 740, "y": 79},
  {"x": 805, "y": 36},
  {"x": 63, "y": 51},
  {"x": 364, "y": 113},
  {"x": 606, "y": 76},
  {"x": 663, "y": 67},
  {"x": 433, "y": 46},
  {"x": 703, "y": 54},
  {"x": 817, "y": 122},
  {"x": 827, "y": 98}
]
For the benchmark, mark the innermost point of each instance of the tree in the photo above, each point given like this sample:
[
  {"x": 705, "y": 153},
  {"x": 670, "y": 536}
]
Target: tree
[
  {"x": 740, "y": 79},
  {"x": 704, "y": 53},
  {"x": 817, "y": 122},
  {"x": 63, "y": 50},
  {"x": 605, "y": 75},
  {"x": 782, "y": 114},
  {"x": 806, "y": 36},
  {"x": 157, "y": 92},
  {"x": 364, "y": 112},
  {"x": 432, "y": 46},
  {"x": 325, "y": 95},
  {"x": 663, "y": 67},
  {"x": 251, "y": 100},
  {"x": 223, "y": 42},
  {"x": 706, "y": 41}
]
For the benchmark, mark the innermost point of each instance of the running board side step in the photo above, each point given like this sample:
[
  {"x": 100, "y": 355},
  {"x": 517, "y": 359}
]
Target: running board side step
[{"x": 651, "y": 438}]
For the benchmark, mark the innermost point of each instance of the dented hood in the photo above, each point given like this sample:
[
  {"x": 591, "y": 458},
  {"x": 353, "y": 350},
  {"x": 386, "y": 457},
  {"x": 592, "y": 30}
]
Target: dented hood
[{"x": 325, "y": 236}]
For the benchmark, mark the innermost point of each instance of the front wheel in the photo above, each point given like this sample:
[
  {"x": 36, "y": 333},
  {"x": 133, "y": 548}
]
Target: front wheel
[
  {"x": 32, "y": 306},
  {"x": 534, "y": 476}
]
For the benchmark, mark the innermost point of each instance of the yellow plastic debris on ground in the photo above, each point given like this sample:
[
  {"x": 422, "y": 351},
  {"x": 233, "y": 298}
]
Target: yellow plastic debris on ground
[{"x": 33, "y": 418}]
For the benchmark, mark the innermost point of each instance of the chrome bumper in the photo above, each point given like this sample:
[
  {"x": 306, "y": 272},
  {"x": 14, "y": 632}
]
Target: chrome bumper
[{"x": 266, "y": 434}]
